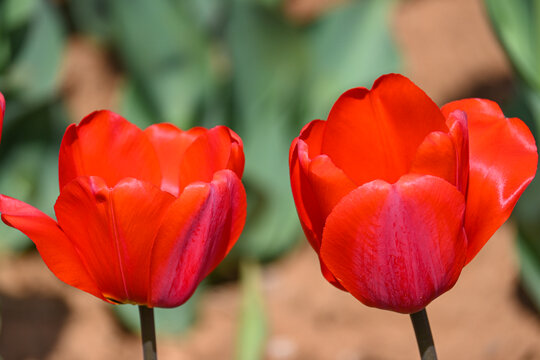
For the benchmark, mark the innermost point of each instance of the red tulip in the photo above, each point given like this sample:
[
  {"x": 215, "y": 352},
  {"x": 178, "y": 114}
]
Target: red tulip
[
  {"x": 142, "y": 216},
  {"x": 396, "y": 196}
]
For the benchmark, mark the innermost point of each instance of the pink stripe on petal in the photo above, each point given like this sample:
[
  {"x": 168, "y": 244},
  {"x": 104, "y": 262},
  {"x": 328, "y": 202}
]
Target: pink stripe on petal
[{"x": 397, "y": 246}]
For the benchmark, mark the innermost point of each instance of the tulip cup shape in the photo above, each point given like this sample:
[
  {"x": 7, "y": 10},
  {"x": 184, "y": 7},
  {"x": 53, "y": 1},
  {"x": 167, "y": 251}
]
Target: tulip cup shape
[
  {"x": 142, "y": 216},
  {"x": 396, "y": 196}
]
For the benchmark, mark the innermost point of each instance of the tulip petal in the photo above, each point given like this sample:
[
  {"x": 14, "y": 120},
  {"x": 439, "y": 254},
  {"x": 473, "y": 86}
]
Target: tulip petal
[
  {"x": 219, "y": 148},
  {"x": 114, "y": 231},
  {"x": 329, "y": 185},
  {"x": 446, "y": 155},
  {"x": 299, "y": 185},
  {"x": 397, "y": 246},
  {"x": 55, "y": 248},
  {"x": 503, "y": 160},
  {"x": 170, "y": 144},
  {"x": 437, "y": 156},
  {"x": 374, "y": 134},
  {"x": 323, "y": 186},
  {"x": 317, "y": 186},
  {"x": 236, "y": 159},
  {"x": 105, "y": 144},
  {"x": 198, "y": 231},
  {"x": 312, "y": 134},
  {"x": 459, "y": 130},
  {"x": 302, "y": 149}
]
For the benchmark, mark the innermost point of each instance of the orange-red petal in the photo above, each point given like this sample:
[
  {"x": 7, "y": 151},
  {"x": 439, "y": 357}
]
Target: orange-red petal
[
  {"x": 459, "y": 130},
  {"x": 55, "y": 248},
  {"x": 236, "y": 158},
  {"x": 114, "y": 231},
  {"x": 312, "y": 134},
  {"x": 170, "y": 144},
  {"x": 329, "y": 185},
  {"x": 374, "y": 134},
  {"x": 105, "y": 144},
  {"x": 302, "y": 149},
  {"x": 437, "y": 156},
  {"x": 317, "y": 186},
  {"x": 503, "y": 160},
  {"x": 299, "y": 184},
  {"x": 217, "y": 149},
  {"x": 324, "y": 185},
  {"x": 198, "y": 231},
  {"x": 397, "y": 246}
]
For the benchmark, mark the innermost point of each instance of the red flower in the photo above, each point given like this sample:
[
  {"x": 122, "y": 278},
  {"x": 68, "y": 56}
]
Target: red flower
[
  {"x": 142, "y": 216},
  {"x": 396, "y": 195}
]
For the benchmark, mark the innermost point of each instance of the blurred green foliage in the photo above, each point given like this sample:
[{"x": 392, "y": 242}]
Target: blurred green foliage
[
  {"x": 252, "y": 325},
  {"x": 32, "y": 41},
  {"x": 517, "y": 24},
  {"x": 31, "y": 49},
  {"x": 241, "y": 63}
]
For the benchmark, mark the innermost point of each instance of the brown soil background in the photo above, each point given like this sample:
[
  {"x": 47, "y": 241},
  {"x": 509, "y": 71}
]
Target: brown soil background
[{"x": 450, "y": 51}]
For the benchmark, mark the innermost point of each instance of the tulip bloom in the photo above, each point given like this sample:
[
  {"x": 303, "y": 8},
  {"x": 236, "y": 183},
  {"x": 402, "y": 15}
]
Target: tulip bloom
[
  {"x": 142, "y": 216},
  {"x": 396, "y": 196}
]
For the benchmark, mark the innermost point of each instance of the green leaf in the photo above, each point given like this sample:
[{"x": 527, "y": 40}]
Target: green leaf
[
  {"x": 16, "y": 13},
  {"x": 533, "y": 101},
  {"x": 253, "y": 330},
  {"x": 166, "y": 58},
  {"x": 272, "y": 4},
  {"x": 207, "y": 13},
  {"x": 268, "y": 57},
  {"x": 29, "y": 174},
  {"x": 92, "y": 17},
  {"x": 527, "y": 213},
  {"x": 33, "y": 75},
  {"x": 517, "y": 24},
  {"x": 5, "y": 52},
  {"x": 135, "y": 107},
  {"x": 526, "y": 105},
  {"x": 268, "y": 61},
  {"x": 530, "y": 267},
  {"x": 350, "y": 46}
]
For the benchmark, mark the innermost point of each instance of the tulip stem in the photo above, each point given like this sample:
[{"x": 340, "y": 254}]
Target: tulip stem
[
  {"x": 148, "y": 332},
  {"x": 423, "y": 335}
]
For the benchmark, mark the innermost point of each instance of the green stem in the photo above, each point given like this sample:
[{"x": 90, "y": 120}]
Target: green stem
[
  {"x": 423, "y": 335},
  {"x": 148, "y": 333}
]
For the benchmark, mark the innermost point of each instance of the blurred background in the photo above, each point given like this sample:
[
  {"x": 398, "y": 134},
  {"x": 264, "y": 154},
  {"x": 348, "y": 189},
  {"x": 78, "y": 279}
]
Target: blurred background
[{"x": 264, "y": 68}]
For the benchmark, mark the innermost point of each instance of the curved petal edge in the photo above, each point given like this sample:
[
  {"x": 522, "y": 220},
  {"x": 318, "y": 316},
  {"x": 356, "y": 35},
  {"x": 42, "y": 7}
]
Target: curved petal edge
[
  {"x": 55, "y": 248},
  {"x": 503, "y": 158},
  {"x": 397, "y": 246},
  {"x": 198, "y": 231}
]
